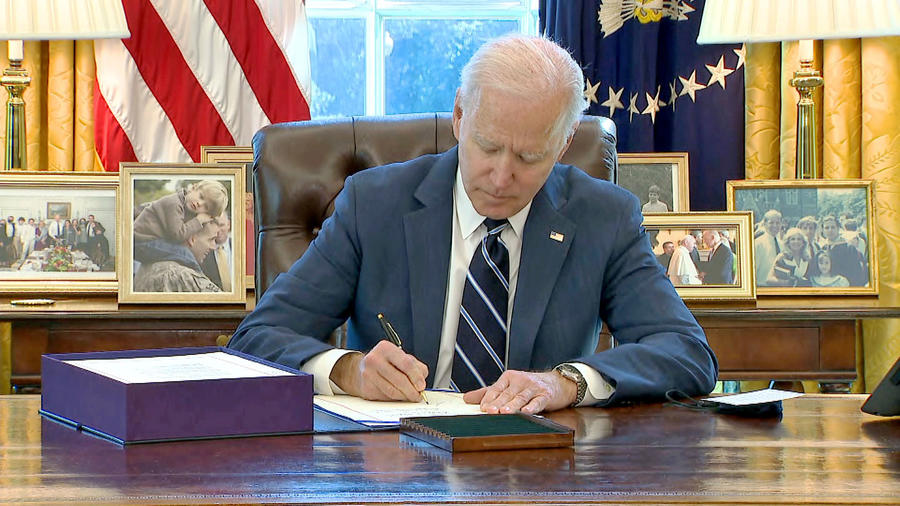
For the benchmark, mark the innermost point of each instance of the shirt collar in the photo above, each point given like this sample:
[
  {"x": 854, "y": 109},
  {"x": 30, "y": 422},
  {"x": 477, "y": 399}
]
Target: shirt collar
[{"x": 469, "y": 219}]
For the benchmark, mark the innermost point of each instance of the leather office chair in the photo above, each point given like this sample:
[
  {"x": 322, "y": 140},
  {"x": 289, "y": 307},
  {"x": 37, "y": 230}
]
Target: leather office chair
[{"x": 299, "y": 168}]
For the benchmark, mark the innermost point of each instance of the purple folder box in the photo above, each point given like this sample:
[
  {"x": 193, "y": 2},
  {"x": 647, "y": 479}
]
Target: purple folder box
[{"x": 143, "y": 412}]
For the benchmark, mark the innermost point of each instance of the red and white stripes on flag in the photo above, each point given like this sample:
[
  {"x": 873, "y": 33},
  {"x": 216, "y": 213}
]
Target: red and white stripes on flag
[{"x": 197, "y": 73}]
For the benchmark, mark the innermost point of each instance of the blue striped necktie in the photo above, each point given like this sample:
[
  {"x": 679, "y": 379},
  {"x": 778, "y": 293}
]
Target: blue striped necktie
[{"x": 481, "y": 336}]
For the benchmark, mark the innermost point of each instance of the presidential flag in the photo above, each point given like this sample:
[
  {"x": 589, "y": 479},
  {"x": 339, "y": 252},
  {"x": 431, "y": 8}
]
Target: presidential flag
[
  {"x": 644, "y": 69},
  {"x": 197, "y": 73}
]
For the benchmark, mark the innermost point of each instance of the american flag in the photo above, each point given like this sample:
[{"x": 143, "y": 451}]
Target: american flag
[
  {"x": 644, "y": 69},
  {"x": 198, "y": 72}
]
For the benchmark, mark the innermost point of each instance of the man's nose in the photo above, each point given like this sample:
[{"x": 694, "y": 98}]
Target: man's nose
[{"x": 502, "y": 171}]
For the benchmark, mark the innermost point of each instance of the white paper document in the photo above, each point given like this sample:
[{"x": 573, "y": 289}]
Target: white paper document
[
  {"x": 755, "y": 397},
  {"x": 199, "y": 366},
  {"x": 380, "y": 413}
]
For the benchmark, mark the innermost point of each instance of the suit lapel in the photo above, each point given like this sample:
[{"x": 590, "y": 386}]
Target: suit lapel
[
  {"x": 428, "y": 249},
  {"x": 545, "y": 244}
]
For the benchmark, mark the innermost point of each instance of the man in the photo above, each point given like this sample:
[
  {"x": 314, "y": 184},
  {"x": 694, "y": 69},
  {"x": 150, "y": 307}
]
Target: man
[
  {"x": 26, "y": 235},
  {"x": 55, "y": 229},
  {"x": 654, "y": 205},
  {"x": 682, "y": 270},
  {"x": 217, "y": 266},
  {"x": 666, "y": 257},
  {"x": 695, "y": 254},
  {"x": 767, "y": 246},
  {"x": 176, "y": 267},
  {"x": 720, "y": 266},
  {"x": 7, "y": 238},
  {"x": 401, "y": 237}
]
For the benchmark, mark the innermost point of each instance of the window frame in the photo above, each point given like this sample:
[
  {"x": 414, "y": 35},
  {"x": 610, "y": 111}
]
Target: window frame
[{"x": 376, "y": 12}]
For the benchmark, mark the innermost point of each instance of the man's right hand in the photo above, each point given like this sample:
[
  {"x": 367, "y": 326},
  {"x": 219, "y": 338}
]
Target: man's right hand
[{"x": 386, "y": 373}]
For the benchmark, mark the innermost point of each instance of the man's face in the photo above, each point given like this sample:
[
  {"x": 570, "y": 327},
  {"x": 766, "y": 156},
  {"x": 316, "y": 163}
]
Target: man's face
[
  {"x": 90, "y": 217},
  {"x": 708, "y": 239},
  {"x": 669, "y": 248},
  {"x": 224, "y": 229},
  {"x": 690, "y": 243},
  {"x": 773, "y": 225},
  {"x": 505, "y": 150},
  {"x": 654, "y": 196},
  {"x": 808, "y": 228},
  {"x": 203, "y": 242},
  {"x": 830, "y": 230}
]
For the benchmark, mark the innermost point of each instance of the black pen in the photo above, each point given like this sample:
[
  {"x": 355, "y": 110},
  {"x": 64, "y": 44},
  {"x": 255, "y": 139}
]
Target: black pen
[{"x": 393, "y": 337}]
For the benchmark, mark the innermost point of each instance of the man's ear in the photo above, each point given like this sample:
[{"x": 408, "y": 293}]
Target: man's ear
[
  {"x": 568, "y": 141},
  {"x": 457, "y": 114}
]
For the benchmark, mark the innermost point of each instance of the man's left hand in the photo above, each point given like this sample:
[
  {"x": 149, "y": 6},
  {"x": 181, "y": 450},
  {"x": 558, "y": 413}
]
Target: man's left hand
[{"x": 528, "y": 392}]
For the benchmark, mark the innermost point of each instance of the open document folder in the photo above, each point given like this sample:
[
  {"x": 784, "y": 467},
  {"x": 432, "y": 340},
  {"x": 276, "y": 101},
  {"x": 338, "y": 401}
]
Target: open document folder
[{"x": 389, "y": 413}]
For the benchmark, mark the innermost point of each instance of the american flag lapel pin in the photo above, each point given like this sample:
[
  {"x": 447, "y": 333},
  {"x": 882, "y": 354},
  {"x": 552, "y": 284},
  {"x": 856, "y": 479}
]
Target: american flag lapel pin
[{"x": 556, "y": 236}]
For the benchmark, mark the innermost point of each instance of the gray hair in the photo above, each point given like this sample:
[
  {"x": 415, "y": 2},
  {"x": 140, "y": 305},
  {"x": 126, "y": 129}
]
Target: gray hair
[{"x": 530, "y": 67}]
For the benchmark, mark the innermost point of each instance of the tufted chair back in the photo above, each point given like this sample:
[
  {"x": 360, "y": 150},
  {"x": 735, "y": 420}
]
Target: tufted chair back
[{"x": 299, "y": 168}]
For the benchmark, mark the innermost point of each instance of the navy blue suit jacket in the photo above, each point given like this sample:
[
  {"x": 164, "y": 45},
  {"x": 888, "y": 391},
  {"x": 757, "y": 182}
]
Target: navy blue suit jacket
[
  {"x": 720, "y": 267},
  {"x": 386, "y": 249}
]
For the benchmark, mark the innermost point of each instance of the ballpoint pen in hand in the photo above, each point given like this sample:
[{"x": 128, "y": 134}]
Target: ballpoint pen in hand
[{"x": 393, "y": 337}]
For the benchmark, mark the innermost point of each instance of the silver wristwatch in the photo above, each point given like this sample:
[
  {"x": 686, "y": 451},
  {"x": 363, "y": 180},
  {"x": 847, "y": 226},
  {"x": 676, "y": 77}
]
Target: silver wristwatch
[{"x": 571, "y": 373}]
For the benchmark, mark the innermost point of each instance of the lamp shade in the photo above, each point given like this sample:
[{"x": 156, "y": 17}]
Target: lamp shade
[
  {"x": 62, "y": 19},
  {"x": 780, "y": 20}
]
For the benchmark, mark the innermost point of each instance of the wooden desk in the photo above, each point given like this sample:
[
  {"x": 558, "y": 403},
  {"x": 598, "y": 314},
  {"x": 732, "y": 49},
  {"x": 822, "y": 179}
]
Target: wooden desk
[{"x": 823, "y": 451}]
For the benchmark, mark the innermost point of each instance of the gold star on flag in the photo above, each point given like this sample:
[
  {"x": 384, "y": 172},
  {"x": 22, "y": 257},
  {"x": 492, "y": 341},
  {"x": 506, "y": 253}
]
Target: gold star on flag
[
  {"x": 718, "y": 73},
  {"x": 590, "y": 92},
  {"x": 652, "y": 106},
  {"x": 690, "y": 86},
  {"x": 614, "y": 101}
]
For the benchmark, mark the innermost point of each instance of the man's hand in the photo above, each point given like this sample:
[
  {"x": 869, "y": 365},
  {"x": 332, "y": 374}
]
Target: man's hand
[
  {"x": 528, "y": 392},
  {"x": 385, "y": 373}
]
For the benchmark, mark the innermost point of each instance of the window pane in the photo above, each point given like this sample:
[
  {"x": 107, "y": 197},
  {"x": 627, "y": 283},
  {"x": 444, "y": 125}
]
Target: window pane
[
  {"x": 423, "y": 58},
  {"x": 337, "y": 66}
]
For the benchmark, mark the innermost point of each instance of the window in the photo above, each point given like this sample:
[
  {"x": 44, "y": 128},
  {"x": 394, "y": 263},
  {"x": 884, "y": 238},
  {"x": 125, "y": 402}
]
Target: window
[{"x": 400, "y": 56}]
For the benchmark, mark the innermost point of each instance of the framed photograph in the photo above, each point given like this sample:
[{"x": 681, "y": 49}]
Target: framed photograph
[
  {"x": 244, "y": 156},
  {"x": 706, "y": 255},
  {"x": 179, "y": 226},
  {"x": 811, "y": 236},
  {"x": 659, "y": 180},
  {"x": 56, "y": 232},
  {"x": 61, "y": 209}
]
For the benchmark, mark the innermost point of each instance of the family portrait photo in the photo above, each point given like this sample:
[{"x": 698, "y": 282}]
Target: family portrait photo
[
  {"x": 181, "y": 231},
  {"x": 659, "y": 180},
  {"x": 704, "y": 255},
  {"x": 57, "y": 235},
  {"x": 810, "y": 236}
]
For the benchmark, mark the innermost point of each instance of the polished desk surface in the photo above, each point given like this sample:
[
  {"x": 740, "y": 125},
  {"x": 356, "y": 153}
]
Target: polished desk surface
[{"x": 824, "y": 450}]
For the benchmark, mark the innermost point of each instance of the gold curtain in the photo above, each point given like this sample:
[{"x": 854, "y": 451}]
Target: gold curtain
[
  {"x": 859, "y": 121},
  {"x": 59, "y": 105}
]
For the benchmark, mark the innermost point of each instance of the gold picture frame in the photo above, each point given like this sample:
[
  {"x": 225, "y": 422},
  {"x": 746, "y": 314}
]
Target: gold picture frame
[
  {"x": 67, "y": 262},
  {"x": 242, "y": 155},
  {"x": 835, "y": 215},
  {"x": 714, "y": 273},
  {"x": 156, "y": 266},
  {"x": 639, "y": 173}
]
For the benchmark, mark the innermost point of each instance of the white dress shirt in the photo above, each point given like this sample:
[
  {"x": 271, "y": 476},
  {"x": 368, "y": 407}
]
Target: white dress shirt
[{"x": 468, "y": 231}]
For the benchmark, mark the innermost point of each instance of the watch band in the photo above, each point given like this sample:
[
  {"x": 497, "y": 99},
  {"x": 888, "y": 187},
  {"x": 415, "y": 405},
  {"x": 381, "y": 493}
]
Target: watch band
[{"x": 570, "y": 372}]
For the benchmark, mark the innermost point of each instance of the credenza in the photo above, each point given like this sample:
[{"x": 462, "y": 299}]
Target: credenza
[{"x": 770, "y": 339}]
